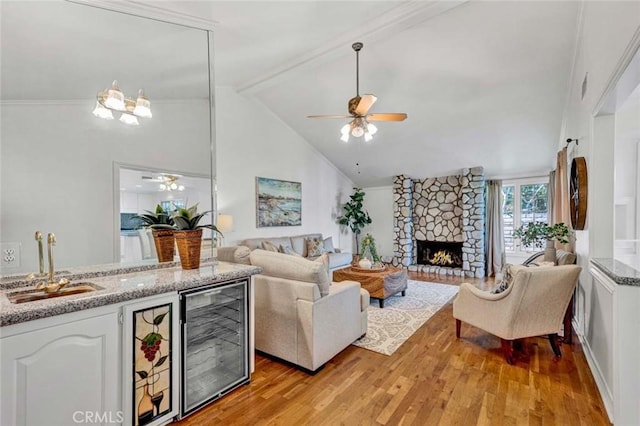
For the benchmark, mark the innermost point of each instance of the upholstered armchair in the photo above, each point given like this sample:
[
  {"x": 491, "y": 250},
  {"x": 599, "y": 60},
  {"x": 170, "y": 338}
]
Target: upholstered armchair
[{"x": 533, "y": 304}]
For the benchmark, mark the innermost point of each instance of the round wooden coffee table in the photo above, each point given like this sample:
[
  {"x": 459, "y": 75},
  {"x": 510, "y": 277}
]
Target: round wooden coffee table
[{"x": 381, "y": 284}]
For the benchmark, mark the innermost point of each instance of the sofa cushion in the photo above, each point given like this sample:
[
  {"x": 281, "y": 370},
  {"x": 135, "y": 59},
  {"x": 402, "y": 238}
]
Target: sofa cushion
[
  {"x": 256, "y": 243},
  {"x": 324, "y": 259},
  {"x": 508, "y": 274},
  {"x": 328, "y": 245},
  {"x": 565, "y": 258},
  {"x": 269, "y": 246},
  {"x": 299, "y": 242},
  {"x": 338, "y": 260},
  {"x": 282, "y": 265},
  {"x": 289, "y": 250},
  {"x": 315, "y": 247}
]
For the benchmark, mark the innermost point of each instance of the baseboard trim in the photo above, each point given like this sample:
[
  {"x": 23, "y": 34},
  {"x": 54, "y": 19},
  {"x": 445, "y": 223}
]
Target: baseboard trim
[{"x": 605, "y": 393}]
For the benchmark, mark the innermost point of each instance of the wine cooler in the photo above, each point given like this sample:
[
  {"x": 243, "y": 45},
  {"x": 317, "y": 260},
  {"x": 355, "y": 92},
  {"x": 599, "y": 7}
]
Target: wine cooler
[{"x": 215, "y": 342}]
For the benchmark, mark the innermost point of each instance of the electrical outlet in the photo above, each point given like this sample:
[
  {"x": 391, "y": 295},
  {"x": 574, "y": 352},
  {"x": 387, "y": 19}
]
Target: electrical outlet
[{"x": 10, "y": 255}]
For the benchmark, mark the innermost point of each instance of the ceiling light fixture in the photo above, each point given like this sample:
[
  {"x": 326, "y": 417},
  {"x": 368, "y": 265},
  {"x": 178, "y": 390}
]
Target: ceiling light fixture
[
  {"x": 358, "y": 127},
  {"x": 114, "y": 100},
  {"x": 170, "y": 183}
]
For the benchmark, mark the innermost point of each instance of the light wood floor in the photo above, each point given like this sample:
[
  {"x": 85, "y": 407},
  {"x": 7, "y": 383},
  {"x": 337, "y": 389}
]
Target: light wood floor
[{"x": 432, "y": 379}]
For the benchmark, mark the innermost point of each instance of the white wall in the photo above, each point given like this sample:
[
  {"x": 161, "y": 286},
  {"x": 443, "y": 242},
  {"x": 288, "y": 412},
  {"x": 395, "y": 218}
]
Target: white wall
[
  {"x": 378, "y": 202},
  {"x": 251, "y": 141},
  {"x": 57, "y": 171},
  {"x": 607, "y": 30}
]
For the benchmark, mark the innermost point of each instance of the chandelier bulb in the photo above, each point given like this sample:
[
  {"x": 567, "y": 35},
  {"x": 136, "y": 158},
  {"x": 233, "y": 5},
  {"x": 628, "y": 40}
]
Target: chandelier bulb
[{"x": 345, "y": 137}]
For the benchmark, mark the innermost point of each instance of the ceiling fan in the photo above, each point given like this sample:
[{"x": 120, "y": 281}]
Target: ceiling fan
[{"x": 359, "y": 110}]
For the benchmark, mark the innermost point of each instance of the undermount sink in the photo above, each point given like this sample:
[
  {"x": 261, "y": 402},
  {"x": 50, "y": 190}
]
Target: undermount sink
[{"x": 34, "y": 295}]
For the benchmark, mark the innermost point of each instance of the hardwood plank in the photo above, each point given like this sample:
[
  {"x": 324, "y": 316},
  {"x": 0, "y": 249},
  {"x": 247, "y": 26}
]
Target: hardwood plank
[{"x": 433, "y": 378}]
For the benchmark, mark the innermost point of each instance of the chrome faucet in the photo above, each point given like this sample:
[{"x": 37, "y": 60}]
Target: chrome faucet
[{"x": 51, "y": 286}]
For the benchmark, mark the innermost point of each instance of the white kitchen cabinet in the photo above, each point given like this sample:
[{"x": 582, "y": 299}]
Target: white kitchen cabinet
[{"x": 62, "y": 370}]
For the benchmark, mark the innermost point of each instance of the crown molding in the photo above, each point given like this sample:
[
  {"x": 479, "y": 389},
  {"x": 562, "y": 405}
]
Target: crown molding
[
  {"x": 144, "y": 10},
  {"x": 394, "y": 21}
]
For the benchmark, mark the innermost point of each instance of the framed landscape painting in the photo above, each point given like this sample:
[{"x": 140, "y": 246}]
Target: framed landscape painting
[{"x": 278, "y": 202}]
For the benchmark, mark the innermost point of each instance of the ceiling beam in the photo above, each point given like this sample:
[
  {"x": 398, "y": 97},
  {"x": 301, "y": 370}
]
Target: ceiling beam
[{"x": 390, "y": 23}]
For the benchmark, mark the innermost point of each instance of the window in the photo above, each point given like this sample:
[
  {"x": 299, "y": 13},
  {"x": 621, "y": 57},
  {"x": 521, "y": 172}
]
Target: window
[{"x": 524, "y": 201}]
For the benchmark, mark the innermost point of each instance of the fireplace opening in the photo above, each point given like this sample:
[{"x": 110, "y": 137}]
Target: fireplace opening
[{"x": 439, "y": 253}]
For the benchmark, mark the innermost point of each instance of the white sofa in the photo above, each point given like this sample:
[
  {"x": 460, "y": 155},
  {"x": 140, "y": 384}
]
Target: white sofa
[
  {"x": 337, "y": 259},
  {"x": 300, "y": 316}
]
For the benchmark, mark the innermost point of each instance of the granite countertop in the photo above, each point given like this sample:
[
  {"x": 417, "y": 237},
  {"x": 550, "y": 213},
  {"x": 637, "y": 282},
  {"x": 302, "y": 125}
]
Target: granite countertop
[
  {"x": 619, "y": 272},
  {"x": 117, "y": 285}
]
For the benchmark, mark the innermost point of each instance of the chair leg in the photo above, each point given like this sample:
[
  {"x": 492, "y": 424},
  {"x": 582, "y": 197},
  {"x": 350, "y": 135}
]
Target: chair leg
[
  {"x": 553, "y": 339},
  {"x": 507, "y": 350},
  {"x": 458, "y": 322}
]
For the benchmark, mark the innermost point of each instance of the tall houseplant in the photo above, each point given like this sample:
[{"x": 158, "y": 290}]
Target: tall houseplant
[
  {"x": 354, "y": 216},
  {"x": 161, "y": 225},
  {"x": 188, "y": 235},
  {"x": 539, "y": 234}
]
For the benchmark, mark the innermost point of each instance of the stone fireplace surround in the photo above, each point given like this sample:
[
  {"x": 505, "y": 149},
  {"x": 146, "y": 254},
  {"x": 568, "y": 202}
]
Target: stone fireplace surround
[{"x": 446, "y": 209}]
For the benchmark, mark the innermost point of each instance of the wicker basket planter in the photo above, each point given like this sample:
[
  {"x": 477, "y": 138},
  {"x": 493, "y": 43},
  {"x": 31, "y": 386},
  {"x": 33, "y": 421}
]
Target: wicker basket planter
[
  {"x": 165, "y": 244},
  {"x": 189, "y": 244}
]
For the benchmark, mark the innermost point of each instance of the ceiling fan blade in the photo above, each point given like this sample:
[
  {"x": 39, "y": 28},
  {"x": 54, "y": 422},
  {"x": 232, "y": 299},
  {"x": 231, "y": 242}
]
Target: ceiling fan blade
[
  {"x": 387, "y": 116},
  {"x": 329, "y": 116},
  {"x": 365, "y": 103}
]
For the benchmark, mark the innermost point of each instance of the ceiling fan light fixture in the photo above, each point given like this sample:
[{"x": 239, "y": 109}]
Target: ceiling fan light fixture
[
  {"x": 357, "y": 131},
  {"x": 358, "y": 108}
]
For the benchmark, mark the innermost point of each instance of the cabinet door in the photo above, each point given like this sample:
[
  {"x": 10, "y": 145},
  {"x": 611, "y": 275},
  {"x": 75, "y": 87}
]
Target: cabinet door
[
  {"x": 62, "y": 375},
  {"x": 151, "y": 361}
]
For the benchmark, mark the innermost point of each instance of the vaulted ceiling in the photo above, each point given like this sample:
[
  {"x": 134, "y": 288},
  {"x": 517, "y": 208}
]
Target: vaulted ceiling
[{"x": 484, "y": 83}]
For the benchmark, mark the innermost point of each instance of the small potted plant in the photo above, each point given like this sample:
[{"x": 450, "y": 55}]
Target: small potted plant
[
  {"x": 161, "y": 225},
  {"x": 369, "y": 254},
  {"x": 539, "y": 234},
  {"x": 188, "y": 235}
]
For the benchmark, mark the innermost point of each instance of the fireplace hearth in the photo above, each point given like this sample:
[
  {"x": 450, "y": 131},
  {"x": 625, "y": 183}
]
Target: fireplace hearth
[{"x": 439, "y": 253}]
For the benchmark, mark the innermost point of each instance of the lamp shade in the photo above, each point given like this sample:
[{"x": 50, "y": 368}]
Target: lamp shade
[{"x": 225, "y": 223}]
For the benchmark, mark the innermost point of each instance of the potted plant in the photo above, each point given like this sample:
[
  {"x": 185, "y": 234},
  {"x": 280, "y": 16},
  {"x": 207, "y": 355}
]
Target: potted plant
[
  {"x": 188, "y": 235},
  {"x": 161, "y": 225},
  {"x": 369, "y": 253},
  {"x": 539, "y": 234},
  {"x": 354, "y": 216}
]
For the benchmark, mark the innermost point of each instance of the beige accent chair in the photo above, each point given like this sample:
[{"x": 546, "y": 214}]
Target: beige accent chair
[
  {"x": 533, "y": 304},
  {"x": 300, "y": 316}
]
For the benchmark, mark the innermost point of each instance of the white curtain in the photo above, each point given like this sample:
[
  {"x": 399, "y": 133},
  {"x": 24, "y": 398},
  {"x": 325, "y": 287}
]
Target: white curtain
[{"x": 494, "y": 228}]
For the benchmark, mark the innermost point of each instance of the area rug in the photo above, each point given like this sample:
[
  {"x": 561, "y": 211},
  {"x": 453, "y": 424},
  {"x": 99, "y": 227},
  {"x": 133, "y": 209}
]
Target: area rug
[{"x": 401, "y": 316}]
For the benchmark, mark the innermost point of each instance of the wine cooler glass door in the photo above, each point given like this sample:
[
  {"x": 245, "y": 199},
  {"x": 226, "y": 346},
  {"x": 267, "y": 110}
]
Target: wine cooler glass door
[{"x": 215, "y": 343}]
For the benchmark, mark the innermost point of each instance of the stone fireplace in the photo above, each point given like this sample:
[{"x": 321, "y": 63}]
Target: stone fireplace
[{"x": 446, "y": 210}]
